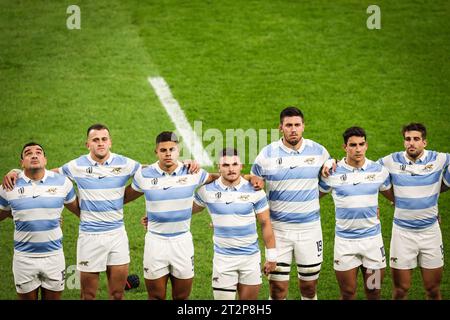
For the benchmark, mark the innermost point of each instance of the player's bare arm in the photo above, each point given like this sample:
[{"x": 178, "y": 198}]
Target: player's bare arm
[
  {"x": 389, "y": 194},
  {"x": 73, "y": 207},
  {"x": 269, "y": 240},
  {"x": 5, "y": 214},
  {"x": 131, "y": 194}
]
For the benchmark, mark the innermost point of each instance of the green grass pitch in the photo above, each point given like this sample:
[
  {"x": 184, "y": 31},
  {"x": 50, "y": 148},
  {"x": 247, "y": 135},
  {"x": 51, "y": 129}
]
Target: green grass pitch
[{"x": 230, "y": 64}]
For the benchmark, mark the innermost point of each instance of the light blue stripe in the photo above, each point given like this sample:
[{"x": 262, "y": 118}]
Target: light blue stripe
[
  {"x": 416, "y": 203},
  {"x": 66, "y": 171},
  {"x": 136, "y": 167},
  {"x": 83, "y": 161},
  {"x": 3, "y": 202},
  {"x": 359, "y": 233},
  {"x": 70, "y": 195},
  {"x": 415, "y": 224},
  {"x": 294, "y": 196},
  {"x": 38, "y": 247},
  {"x": 104, "y": 183},
  {"x": 173, "y": 193},
  {"x": 37, "y": 203},
  {"x": 249, "y": 250},
  {"x": 100, "y": 226},
  {"x": 324, "y": 185},
  {"x": 37, "y": 225},
  {"x": 203, "y": 177},
  {"x": 57, "y": 180},
  {"x": 102, "y": 205},
  {"x": 295, "y": 217},
  {"x": 236, "y": 231},
  {"x": 356, "y": 213},
  {"x": 362, "y": 189},
  {"x": 257, "y": 170},
  {"x": 169, "y": 216},
  {"x": 232, "y": 208},
  {"x": 295, "y": 173},
  {"x": 406, "y": 180},
  {"x": 168, "y": 234},
  {"x": 260, "y": 204},
  {"x": 118, "y": 160},
  {"x": 150, "y": 173}
]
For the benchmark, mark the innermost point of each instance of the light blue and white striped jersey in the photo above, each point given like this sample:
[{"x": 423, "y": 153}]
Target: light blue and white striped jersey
[
  {"x": 355, "y": 196},
  {"x": 232, "y": 211},
  {"x": 101, "y": 190},
  {"x": 168, "y": 198},
  {"x": 292, "y": 181},
  {"x": 36, "y": 208},
  {"x": 416, "y": 187}
]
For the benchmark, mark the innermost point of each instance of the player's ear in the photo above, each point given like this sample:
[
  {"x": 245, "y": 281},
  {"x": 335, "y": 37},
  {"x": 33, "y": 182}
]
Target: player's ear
[
  {"x": 344, "y": 146},
  {"x": 425, "y": 142}
]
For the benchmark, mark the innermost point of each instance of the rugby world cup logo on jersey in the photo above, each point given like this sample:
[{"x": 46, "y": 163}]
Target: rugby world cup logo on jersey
[
  {"x": 154, "y": 181},
  {"x": 280, "y": 161},
  {"x": 403, "y": 167},
  {"x": 89, "y": 170},
  {"x": 218, "y": 195},
  {"x": 343, "y": 177},
  {"x": 21, "y": 191}
]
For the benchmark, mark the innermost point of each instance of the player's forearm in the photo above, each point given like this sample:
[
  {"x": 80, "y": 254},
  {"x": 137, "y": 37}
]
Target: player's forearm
[
  {"x": 130, "y": 195},
  {"x": 267, "y": 233}
]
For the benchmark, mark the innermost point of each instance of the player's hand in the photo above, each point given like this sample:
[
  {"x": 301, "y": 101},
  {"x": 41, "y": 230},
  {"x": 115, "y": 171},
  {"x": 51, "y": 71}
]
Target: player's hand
[
  {"x": 257, "y": 182},
  {"x": 328, "y": 168},
  {"x": 192, "y": 165},
  {"x": 61, "y": 221},
  {"x": 144, "y": 222},
  {"x": 378, "y": 213},
  {"x": 9, "y": 180},
  {"x": 269, "y": 266}
]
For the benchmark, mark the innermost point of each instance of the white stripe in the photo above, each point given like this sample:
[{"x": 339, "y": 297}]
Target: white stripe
[
  {"x": 178, "y": 117},
  {"x": 235, "y": 242},
  {"x": 38, "y": 236},
  {"x": 354, "y": 224},
  {"x": 292, "y": 184},
  {"x": 105, "y": 216},
  {"x": 295, "y": 207},
  {"x": 169, "y": 205},
  {"x": 37, "y": 214},
  {"x": 406, "y": 214},
  {"x": 415, "y": 192},
  {"x": 169, "y": 227},
  {"x": 231, "y": 220},
  {"x": 363, "y": 201},
  {"x": 281, "y": 226},
  {"x": 101, "y": 194}
]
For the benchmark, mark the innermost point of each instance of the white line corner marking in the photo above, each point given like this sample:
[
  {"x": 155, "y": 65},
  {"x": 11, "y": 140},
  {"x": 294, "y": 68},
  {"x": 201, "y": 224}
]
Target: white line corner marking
[{"x": 178, "y": 117}]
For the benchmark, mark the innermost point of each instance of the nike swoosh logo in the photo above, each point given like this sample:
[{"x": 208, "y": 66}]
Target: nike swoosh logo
[
  {"x": 228, "y": 202},
  {"x": 165, "y": 188},
  {"x": 101, "y": 177},
  {"x": 355, "y": 183},
  {"x": 293, "y": 167},
  {"x": 34, "y": 197}
]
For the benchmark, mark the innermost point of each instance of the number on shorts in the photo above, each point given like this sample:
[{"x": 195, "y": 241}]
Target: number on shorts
[
  {"x": 319, "y": 246},
  {"x": 383, "y": 253}
]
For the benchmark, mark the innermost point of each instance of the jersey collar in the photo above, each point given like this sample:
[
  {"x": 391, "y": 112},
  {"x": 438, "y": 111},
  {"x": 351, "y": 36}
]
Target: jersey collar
[
  {"x": 345, "y": 165},
  {"x": 233, "y": 188},
  {"x": 289, "y": 150},
  {"x": 28, "y": 180},
  {"x": 176, "y": 172},
  {"x": 95, "y": 163}
]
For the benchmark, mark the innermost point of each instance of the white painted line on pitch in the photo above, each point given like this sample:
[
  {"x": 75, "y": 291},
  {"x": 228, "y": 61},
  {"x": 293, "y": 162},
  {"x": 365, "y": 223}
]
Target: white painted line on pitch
[{"x": 178, "y": 117}]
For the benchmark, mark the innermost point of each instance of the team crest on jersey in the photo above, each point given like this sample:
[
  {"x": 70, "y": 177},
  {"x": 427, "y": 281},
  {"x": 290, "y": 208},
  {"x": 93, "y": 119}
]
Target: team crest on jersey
[
  {"x": 218, "y": 195},
  {"x": 428, "y": 167},
  {"x": 116, "y": 170},
  {"x": 52, "y": 190},
  {"x": 244, "y": 197},
  {"x": 343, "y": 177},
  {"x": 154, "y": 181},
  {"x": 370, "y": 177},
  {"x": 309, "y": 160},
  {"x": 182, "y": 180},
  {"x": 89, "y": 170}
]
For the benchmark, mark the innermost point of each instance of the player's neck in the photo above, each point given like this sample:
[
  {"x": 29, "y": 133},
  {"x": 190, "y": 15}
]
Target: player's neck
[
  {"x": 355, "y": 164},
  {"x": 293, "y": 147},
  {"x": 170, "y": 169},
  {"x": 414, "y": 159},
  {"x": 100, "y": 160},
  {"x": 229, "y": 183},
  {"x": 34, "y": 174}
]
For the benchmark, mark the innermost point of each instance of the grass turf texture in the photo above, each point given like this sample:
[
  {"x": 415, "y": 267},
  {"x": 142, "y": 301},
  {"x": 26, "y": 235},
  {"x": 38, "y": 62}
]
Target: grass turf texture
[{"x": 231, "y": 65}]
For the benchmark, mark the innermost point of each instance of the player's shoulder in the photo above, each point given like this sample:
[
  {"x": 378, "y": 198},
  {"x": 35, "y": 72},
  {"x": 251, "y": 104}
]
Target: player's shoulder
[
  {"x": 54, "y": 178},
  {"x": 121, "y": 160},
  {"x": 313, "y": 146},
  {"x": 149, "y": 172}
]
